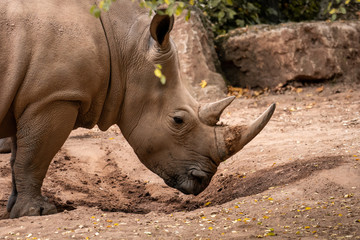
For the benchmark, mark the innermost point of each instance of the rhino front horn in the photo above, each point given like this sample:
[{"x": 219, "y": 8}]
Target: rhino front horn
[
  {"x": 231, "y": 139},
  {"x": 210, "y": 113}
]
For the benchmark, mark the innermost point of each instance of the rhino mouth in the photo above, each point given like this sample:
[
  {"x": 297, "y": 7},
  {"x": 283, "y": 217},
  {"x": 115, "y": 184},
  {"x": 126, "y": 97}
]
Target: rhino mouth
[{"x": 194, "y": 182}]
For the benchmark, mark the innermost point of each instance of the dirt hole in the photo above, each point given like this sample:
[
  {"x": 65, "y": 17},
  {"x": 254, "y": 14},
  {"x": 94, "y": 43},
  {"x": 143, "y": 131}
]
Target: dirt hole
[{"x": 117, "y": 193}]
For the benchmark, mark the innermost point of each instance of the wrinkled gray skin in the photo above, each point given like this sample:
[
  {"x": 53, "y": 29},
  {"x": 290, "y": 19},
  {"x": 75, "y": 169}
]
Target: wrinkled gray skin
[
  {"x": 61, "y": 68},
  {"x": 5, "y": 145}
]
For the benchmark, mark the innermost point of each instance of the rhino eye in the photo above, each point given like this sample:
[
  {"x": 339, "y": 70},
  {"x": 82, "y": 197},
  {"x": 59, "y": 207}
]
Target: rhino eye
[{"x": 178, "y": 120}]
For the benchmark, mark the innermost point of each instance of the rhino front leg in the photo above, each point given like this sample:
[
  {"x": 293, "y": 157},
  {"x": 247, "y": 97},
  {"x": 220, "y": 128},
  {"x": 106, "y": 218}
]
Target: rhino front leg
[
  {"x": 13, "y": 196},
  {"x": 42, "y": 130}
]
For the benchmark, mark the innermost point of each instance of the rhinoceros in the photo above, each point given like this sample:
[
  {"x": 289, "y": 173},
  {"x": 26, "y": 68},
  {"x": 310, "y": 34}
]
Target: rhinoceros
[
  {"x": 61, "y": 68},
  {"x": 5, "y": 145}
]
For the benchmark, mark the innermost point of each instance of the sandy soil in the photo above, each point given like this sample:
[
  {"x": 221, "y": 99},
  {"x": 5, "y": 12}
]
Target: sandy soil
[{"x": 299, "y": 179}]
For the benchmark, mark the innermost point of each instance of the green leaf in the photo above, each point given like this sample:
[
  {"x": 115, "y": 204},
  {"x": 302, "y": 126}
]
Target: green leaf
[
  {"x": 272, "y": 11},
  {"x": 231, "y": 13},
  {"x": 240, "y": 23},
  {"x": 333, "y": 17},
  {"x": 170, "y": 11},
  {"x": 178, "y": 10},
  {"x": 342, "y": 10},
  {"x": 251, "y": 7},
  {"x": 181, "y": 4},
  {"x": 229, "y": 2},
  {"x": 221, "y": 14},
  {"x": 187, "y": 17},
  {"x": 214, "y": 3},
  {"x": 95, "y": 11}
]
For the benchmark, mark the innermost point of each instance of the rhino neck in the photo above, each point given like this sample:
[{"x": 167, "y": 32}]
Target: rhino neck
[{"x": 117, "y": 24}]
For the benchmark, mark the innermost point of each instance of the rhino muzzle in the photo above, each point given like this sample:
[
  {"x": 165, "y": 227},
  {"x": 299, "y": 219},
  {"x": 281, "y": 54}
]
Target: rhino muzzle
[{"x": 196, "y": 181}]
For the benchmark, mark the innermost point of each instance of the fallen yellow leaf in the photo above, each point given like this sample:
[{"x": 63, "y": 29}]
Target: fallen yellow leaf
[
  {"x": 320, "y": 89},
  {"x": 203, "y": 83}
]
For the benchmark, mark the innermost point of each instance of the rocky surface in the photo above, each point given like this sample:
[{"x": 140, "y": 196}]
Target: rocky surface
[
  {"x": 266, "y": 56},
  {"x": 198, "y": 58}
]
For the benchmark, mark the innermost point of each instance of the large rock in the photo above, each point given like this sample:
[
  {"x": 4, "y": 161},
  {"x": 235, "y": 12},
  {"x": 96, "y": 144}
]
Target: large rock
[
  {"x": 265, "y": 56},
  {"x": 198, "y": 58}
]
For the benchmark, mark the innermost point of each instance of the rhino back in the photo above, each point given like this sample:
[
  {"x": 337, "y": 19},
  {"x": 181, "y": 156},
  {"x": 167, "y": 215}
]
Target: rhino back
[{"x": 52, "y": 51}]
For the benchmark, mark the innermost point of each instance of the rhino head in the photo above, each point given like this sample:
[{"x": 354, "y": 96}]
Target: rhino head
[{"x": 171, "y": 133}]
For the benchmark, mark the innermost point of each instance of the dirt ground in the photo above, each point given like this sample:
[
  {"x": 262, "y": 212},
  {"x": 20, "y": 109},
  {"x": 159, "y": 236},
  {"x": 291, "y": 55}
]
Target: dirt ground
[{"x": 298, "y": 179}]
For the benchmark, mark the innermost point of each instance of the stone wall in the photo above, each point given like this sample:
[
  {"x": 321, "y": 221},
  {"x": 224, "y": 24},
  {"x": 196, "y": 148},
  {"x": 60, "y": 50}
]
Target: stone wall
[{"x": 265, "y": 56}]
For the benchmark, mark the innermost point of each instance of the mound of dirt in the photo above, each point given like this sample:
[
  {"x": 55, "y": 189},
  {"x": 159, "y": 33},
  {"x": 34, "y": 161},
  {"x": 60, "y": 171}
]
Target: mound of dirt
[{"x": 299, "y": 179}]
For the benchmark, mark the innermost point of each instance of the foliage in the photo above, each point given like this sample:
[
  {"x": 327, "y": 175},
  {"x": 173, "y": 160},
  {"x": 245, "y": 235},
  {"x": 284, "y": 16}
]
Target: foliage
[
  {"x": 103, "y": 5},
  {"x": 338, "y": 7},
  {"x": 229, "y": 14},
  {"x": 173, "y": 7},
  {"x": 224, "y": 14},
  {"x": 300, "y": 10}
]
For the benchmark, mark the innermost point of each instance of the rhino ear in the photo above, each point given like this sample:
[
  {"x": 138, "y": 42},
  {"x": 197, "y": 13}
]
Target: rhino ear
[{"x": 160, "y": 28}]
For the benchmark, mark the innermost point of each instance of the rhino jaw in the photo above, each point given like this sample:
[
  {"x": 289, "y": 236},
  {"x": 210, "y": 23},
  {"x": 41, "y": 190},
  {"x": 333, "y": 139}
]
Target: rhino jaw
[{"x": 231, "y": 139}]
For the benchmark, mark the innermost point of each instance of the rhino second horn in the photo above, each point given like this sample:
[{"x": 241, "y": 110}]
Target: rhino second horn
[
  {"x": 231, "y": 139},
  {"x": 210, "y": 113}
]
